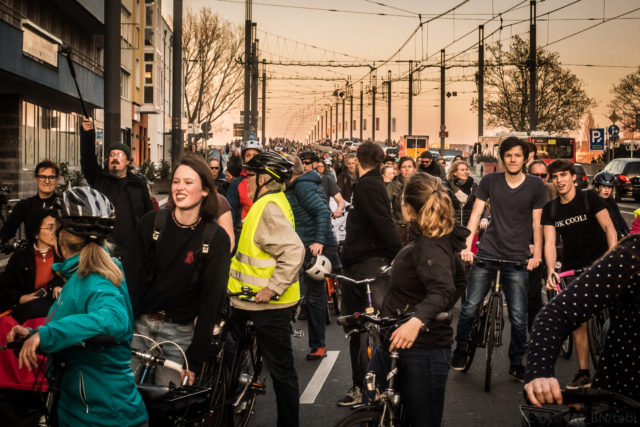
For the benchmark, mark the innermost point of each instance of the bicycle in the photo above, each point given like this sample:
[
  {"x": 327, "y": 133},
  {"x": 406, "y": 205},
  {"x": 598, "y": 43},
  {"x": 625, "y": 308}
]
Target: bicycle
[
  {"x": 486, "y": 330},
  {"x": 46, "y": 415},
  {"x": 600, "y": 407},
  {"x": 383, "y": 409},
  {"x": 547, "y": 295}
]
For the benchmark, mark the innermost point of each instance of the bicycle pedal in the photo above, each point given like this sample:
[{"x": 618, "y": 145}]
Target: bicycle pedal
[{"x": 258, "y": 387}]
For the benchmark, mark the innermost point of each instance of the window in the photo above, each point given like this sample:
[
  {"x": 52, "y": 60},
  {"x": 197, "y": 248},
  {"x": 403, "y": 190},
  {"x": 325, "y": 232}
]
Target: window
[
  {"x": 364, "y": 124},
  {"x": 148, "y": 73},
  {"x": 148, "y": 17},
  {"x": 148, "y": 57},
  {"x": 148, "y": 36},
  {"x": 148, "y": 94},
  {"x": 124, "y": 84},
  {"x": 138, "y": 74}
]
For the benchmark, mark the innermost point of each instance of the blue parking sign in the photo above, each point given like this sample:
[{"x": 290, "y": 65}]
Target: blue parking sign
[{"x": 596, "y": 139}]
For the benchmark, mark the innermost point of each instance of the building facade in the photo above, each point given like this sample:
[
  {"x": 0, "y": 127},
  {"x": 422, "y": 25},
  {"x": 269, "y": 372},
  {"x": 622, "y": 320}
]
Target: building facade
[{"x": 40, "y": 110}]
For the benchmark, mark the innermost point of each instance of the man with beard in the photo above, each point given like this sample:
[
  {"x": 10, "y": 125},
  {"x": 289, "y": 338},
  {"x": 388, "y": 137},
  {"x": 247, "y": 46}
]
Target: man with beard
[
  {"x": 428, "y": 165},
  {"x": 125, "y": 189},
  {"x": 516, "y": 207},
  {"x": 348, "y": 177}
]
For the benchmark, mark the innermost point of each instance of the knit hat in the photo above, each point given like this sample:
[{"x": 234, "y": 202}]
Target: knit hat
[{"x": 120, "y": 146}]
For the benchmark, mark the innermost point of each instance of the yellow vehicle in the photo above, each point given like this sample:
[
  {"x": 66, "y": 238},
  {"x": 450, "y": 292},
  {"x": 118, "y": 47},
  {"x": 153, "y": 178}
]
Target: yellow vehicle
[{"x": 413, "y": 145}]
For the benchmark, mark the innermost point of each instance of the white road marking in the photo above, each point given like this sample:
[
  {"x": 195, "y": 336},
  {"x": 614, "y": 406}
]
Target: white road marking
[
  {"x": 626, "y": 212},
  {"x": 319, "y": 377}
]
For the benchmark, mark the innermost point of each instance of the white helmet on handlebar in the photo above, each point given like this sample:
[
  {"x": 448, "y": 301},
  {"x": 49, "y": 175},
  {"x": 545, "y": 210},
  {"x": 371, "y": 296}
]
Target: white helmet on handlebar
[{"x": 319, "y": 266}]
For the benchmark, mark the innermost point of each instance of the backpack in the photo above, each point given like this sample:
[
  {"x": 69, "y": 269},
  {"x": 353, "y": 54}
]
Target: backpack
[{"x": 210, "y": 229}]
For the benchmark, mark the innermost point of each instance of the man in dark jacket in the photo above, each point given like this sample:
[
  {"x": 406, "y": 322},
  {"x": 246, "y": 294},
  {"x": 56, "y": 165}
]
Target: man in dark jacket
[
  {"x": 126, "y": 190},
  {"x": 313, "y": 226},
  {"x": 372, "y": 242},
  {"x": 348, "y": 177},
  {"x": 427, "y": 164},
  {"x": 46, "y": 174}
]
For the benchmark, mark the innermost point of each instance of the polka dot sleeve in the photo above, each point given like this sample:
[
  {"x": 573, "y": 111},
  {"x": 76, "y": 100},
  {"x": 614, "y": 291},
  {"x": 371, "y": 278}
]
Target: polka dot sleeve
[{"x": 613, "y": 282}]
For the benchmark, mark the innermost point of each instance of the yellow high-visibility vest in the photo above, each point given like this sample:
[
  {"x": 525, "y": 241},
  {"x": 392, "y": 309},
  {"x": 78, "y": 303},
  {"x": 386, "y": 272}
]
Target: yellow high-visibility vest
[{"x": 253, "y": 267}]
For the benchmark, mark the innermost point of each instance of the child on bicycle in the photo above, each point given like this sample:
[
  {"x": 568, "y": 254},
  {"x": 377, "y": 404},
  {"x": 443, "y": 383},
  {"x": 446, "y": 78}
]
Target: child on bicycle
[
  {"x": 426, "y": 278},
  {"x": 97, "y": 386}
]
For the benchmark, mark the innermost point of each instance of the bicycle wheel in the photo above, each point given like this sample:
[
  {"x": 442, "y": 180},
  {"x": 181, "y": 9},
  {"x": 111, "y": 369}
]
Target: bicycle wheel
[
  {"x": 597, "y": 329},
  {"x": 473, "y": 340},
  {"x": 492, "y": 336},
  {"x": 246, "y": 369},
  {"x": 212, "y": 376},
  {"x": 366, "y": 417}
]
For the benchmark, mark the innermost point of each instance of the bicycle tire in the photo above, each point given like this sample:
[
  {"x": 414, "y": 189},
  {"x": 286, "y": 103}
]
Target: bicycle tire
[
  {"x": 473, "y": 341},
  {"x": 492, "y": 334},
  {"x": 213, "y": 376},
  {"x": 368, "y": 417},
  {"x": 596, "y": 333},
  {"x": 246, "y": 369}
]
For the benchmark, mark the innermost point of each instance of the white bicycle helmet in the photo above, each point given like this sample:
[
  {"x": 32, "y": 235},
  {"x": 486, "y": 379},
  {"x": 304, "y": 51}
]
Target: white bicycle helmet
[
  {"x": 251, "y": 145},
  {"x": 319, "y": 266}
]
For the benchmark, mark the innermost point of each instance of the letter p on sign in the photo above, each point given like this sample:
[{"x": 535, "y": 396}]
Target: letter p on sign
[{"x": 596, "y": 139}]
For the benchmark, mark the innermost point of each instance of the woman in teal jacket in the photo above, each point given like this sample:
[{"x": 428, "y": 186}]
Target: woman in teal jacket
[{"x": 98, "y": 386}]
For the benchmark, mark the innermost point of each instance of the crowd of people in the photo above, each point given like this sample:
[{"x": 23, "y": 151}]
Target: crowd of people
[{"x": 262, "y": 219}]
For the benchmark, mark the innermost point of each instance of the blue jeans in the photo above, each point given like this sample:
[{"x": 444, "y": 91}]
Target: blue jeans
[
  {"x": 316, "y": 297},
  {"x": 162, "y": 331},
  {"x": 514, "y": 283},
  {"x": 421, "y": 380}
]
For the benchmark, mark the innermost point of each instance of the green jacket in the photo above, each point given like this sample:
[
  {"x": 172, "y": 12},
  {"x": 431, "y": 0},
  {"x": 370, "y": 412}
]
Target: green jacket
[
  {"x": 98, "y": 387},
  {"x": 394, "y": 191}
]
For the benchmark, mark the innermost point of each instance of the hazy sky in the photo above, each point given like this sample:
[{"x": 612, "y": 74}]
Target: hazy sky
[{"x": 293, "y": 105}]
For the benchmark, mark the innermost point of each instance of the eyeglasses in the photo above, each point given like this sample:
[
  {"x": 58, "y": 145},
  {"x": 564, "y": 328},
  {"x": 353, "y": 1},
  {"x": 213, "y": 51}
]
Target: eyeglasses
[
  {"x": 47, "y": 177},
  {"x": 426, "y": 160},
  {"x": 49, "y": 227},
  {"x": 215, "y": 168},
  {"x": 117, "y": 155},
  {"x": 540, "y": 175},
  {"x": 306, "y": 162}
]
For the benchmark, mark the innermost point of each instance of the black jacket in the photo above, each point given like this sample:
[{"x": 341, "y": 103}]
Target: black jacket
[
  {"x": 130, "y": 208},
  {"x": 21, "y": 213},
  {"x": 462, "y": 211},
  {"x": 427, "y": 278},
  {"x": 370, "y": 229},
  {"x": 434, "y": 169},
  {"x": 19, "y": 279}
]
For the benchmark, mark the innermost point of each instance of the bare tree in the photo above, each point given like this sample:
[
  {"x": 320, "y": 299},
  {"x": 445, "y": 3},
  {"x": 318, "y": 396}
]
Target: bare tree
[
  {"x": 213, "y": 77},
  {"x": 626, "y": 101},
  {"x": 561, "y": 100}
]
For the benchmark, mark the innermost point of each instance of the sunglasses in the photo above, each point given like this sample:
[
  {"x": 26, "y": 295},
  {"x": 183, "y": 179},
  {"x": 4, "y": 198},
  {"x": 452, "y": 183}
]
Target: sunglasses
[
  {"x": 215, "y": 168},
  {"x": 540, "y": 175},
  {"x": 306, "y": 162}
]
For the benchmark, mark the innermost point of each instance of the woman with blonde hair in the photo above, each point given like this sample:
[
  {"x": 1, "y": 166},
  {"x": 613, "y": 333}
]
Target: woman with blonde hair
[
  {"x": 97, "y": 387},
  {"x": 462, "y": 187},
  {"x": 426, "y": 278}
]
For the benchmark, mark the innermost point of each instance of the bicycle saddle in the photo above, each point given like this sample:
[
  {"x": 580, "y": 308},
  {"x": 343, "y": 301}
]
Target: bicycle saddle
[{"x": 153, "y": 393}]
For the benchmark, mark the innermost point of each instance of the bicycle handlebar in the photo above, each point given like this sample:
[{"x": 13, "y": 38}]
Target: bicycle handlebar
[
  {"x": 383, "y": 271},
  {"x": 157, "y": 360},
  {"x": 382, "y": 321},
  {"x": 573, "y": 272},
  {"x": 246, "y": 294},
  {"x": 97, "y": 341},
  {"x": 592, "y": 396}
]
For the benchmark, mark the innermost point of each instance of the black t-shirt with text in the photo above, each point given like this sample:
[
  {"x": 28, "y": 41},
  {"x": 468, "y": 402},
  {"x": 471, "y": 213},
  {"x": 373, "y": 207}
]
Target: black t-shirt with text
[
  {"x": 511, "y": 228},
  {"x": 583, "y": 238}
]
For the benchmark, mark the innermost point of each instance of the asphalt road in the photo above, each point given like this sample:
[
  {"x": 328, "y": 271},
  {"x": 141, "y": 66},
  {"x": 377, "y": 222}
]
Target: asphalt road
[{"x": 466, "y": 404}]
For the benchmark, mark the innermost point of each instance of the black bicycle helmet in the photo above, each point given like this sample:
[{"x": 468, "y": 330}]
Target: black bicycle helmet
[
  {"x": 309, "y": 155},
  {"x": 272, "y": 164},
  {"x": 85, "y": 212},
  {"x": 604, "y": 179}
]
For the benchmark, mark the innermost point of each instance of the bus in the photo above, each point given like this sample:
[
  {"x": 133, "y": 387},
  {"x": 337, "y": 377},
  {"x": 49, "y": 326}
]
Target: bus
[
  {"x": 548, "y": 147},
  {"x": 413, "y": 145}
]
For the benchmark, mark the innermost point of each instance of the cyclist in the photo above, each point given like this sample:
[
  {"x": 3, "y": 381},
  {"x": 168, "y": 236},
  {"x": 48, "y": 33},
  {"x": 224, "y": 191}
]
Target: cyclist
[
  {"x": 348, "y": 177},
  {"x": 313, "y": 226},
  {"x": 516, "y": 205},
  {"x": 426, "y": 278},
  {"x": 372, "y": 241},
  {"x": 173, "y": 279},
  {"x": 603, "y": 183},
  {"x": 46, "y": 174},
  {"x": 237, "y": 193},
  {"x": 97, "y": 387},
  {"x": 268, "y": 259},
  {"x": 395, "y": 188},
  {"x": 427, "y": 164},
  {"x": 581, "y": 219},
  {"x": 611, "y": 282},
  {"x": 310, "y": 161},
  {"x": 462, "y": 188}
]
